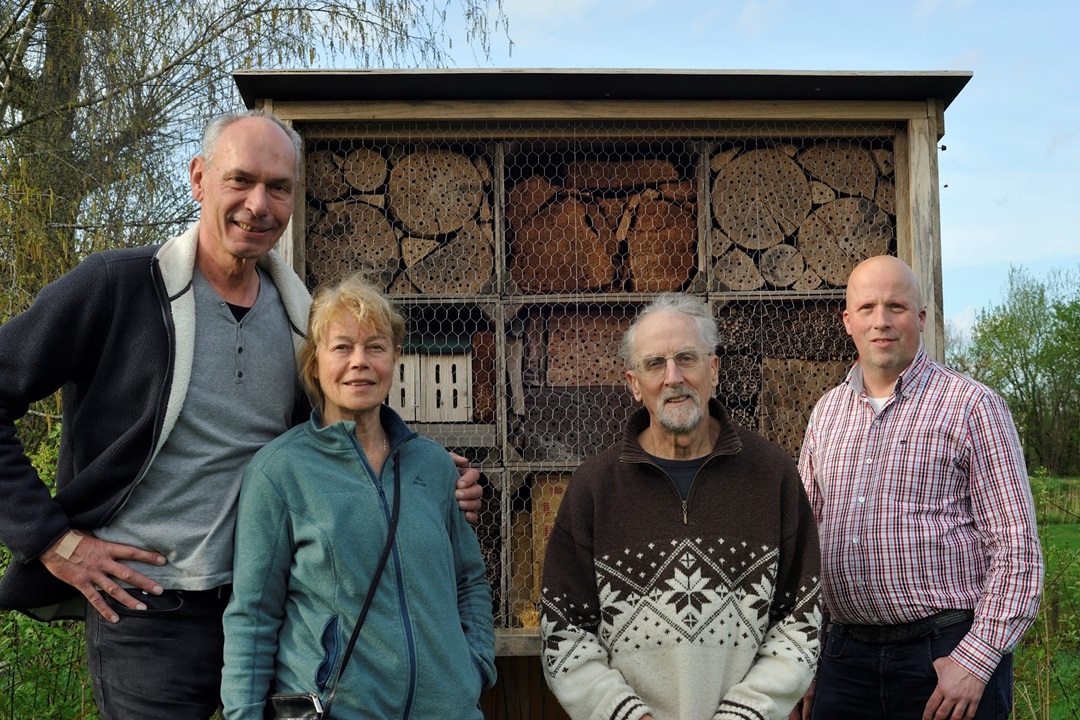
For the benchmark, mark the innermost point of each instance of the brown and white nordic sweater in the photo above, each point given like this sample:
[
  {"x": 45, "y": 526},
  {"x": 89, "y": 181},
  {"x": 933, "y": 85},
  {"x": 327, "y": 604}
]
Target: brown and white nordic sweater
[{"x": 707, "y": 611}]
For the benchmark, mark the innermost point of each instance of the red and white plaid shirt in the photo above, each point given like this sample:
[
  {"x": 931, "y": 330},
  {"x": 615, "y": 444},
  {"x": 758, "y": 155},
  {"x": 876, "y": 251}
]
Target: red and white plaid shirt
[{"x": 925, "y": 506}]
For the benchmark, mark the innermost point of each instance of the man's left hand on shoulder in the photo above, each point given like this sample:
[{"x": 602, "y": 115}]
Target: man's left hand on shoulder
[
  {"x": 469, "y": 492},
  {"x": 957, "y": 694}
]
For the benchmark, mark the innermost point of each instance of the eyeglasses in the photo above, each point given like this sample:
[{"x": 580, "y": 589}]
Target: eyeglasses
[{"x": 685, "y": 359}]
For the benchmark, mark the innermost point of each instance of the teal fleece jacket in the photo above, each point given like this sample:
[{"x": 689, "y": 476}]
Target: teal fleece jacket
[{"x": 313, "y": 518}]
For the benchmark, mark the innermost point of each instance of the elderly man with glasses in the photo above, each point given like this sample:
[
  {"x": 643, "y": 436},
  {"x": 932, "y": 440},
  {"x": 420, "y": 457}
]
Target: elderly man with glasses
[{"x": 682, "y": 573}]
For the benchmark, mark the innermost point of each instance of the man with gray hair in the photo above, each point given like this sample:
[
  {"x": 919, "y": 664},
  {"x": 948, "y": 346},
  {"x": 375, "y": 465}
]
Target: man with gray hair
[
  {"x": 176, "y": 364},
  {"x": 681, "y": 574}
]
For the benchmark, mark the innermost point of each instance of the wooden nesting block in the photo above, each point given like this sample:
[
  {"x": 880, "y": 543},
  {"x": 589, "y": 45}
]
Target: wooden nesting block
[
  {"x": 351, "y": 237},
  {"x": 841, "y": 234},
  {"x": 760, "y": 197},
  {"x": 547, "y": 494},
  {"x": 661, "y": 246},
  {"x": 570, "y": 425},
  {"x": 618, "y": 175},
  {"x": 810, "y": 330},
  {"x": 842, "y": 165},
  {"x": 433, "y": 191},
  {"x": 484, "y": 376},
  {"x": 558, "y": 251},
  {"x": 583, "y": 349},
  {"x": 739, "y": 378},
  {"x": 527, "y": 198},
  {"x": 789, "y": 391}
]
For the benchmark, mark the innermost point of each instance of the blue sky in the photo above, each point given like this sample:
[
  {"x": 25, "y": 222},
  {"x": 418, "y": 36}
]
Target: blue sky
[{"x": 1010, "y": 173}]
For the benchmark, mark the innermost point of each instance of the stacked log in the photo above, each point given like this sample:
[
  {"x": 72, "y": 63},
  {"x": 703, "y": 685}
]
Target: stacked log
[
  {"x": 420, "y": 222},
  {"x": 603, "y": 225},
  {"x": 796, "y": 219}
]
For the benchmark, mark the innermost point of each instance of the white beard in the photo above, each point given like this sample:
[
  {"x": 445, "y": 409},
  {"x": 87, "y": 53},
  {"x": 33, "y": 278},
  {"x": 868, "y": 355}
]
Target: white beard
[{"x": 681, "y": 419}]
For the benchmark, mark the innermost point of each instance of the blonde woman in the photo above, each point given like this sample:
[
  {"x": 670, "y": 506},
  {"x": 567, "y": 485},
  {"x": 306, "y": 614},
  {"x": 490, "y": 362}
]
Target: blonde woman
[{"x": 315, "y": 508}]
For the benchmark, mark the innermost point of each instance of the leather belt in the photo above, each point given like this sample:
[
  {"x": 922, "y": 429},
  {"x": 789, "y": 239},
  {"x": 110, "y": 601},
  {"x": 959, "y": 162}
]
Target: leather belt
[{"x": 906, "y": 632}]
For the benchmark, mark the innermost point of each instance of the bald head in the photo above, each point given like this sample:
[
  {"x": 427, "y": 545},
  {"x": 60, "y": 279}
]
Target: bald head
[{"x": 885, "y": 270}]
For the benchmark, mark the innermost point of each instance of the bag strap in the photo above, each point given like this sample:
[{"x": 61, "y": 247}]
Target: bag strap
[{"x": 371, "y": 589}]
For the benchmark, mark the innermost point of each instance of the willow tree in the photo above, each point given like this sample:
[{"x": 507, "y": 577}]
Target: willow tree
[{"x": 102, "y": 102}]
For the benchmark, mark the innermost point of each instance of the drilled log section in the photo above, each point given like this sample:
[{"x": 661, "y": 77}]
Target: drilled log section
[
  {"x": 433, "y": 192},
  {"x": 782, "y": 265},
  {"x": 821, "y": 193},
  {"x": 322, "y": 175},
  {"x": 618, "y": 175},
  {"x": 352, "y": 237},
  {"x": 810, "y": 280},
  {"x": 885, "y": 195},
  {"x": 364, "y": 169},
  {"x": 414, "y": 249},
  {"x": 842, "y": 165},
  {"x": 839, "y": 235},
  {"x": 557, "y": 251},
  {"x": 760, "y": 197},
  {"x": 735, "y": 271},
  {"x": 461, "y": 266},
  {"x": 661, "y": 246},
  {"x": 790, "y": 389},
  {"x": 884, "y": 160}
]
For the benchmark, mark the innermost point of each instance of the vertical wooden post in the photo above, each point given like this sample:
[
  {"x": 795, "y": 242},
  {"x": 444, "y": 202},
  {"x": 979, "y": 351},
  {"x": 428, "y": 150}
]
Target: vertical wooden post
[{"x": 918, "y": 224}]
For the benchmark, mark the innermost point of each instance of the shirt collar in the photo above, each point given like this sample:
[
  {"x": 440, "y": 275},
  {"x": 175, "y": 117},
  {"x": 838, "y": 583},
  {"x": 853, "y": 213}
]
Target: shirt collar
[{"x": 906, "y": 383}]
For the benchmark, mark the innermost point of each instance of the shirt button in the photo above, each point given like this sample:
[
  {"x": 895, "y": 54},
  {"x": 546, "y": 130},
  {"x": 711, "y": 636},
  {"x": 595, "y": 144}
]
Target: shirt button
[
  {"x": 221, "y": 303},
  {"x": 869, "y": 461},
  {"x": 854, "y": 541},
  {"x": 862, "y": 499}
]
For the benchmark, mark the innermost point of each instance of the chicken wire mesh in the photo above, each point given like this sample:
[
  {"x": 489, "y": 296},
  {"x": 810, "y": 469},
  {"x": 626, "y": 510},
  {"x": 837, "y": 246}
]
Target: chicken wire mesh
[{"x": 519, "y": 253}]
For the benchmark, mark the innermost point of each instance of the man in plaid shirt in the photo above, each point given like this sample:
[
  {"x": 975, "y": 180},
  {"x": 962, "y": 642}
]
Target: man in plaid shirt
[{"x": 931, "y": 565}]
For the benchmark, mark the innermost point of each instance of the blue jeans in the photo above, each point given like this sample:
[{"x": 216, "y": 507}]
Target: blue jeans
[
  {"x": 162, "y": 662},
  {"x": 864, "y": 681}
]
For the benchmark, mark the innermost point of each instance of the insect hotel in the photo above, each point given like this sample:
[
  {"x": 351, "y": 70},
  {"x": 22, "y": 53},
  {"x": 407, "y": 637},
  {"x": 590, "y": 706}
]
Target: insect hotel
[{"x": 520, "y": 217}]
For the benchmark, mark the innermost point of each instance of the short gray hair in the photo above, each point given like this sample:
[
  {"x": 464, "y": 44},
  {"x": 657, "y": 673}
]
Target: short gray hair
[
  {"x": 214, "y": 128},
  {"x": 679, "y": 304}
]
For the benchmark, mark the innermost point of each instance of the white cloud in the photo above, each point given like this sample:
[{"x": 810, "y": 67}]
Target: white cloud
[
  {"x": 759, "y": 15},
  {"x": 926, "y": 8}
]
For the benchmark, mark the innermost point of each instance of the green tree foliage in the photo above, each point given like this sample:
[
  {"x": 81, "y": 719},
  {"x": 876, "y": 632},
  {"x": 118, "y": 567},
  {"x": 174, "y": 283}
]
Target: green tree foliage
[
  {"x": 1028, "y": 349},
  {"x": 102, "y": 104}
]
